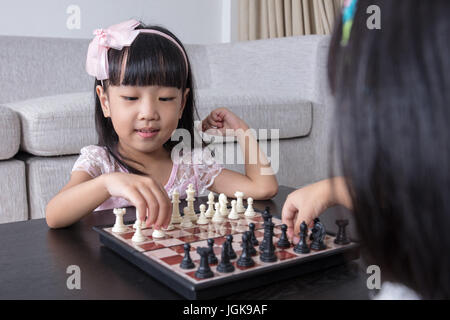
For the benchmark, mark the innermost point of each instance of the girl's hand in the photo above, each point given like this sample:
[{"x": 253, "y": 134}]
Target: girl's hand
[
  {"x": 305, "y": 204},
  {"x": 221, "y": 119},
  {"x": 144, "y": 193}
]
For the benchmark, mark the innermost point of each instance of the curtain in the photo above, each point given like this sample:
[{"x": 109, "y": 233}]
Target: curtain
[{"x": 263, "y": 19}]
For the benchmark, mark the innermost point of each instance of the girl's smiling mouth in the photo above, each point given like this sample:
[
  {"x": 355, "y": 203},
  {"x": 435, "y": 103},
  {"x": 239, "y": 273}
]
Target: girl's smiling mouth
[{"x": 147, "y": 132}]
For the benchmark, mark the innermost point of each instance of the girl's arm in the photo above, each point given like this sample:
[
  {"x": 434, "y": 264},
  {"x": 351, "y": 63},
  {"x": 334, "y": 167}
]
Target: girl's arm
[
  {"x": 259, "y": 181},
  {"x": 83, "y": 194},
  {"x": 80, "y": 196}
]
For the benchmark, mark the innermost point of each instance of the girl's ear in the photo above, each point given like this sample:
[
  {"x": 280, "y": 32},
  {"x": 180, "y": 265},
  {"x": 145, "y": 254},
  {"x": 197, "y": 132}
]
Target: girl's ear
[
  {"x": 102, "y": 96},
  {"x": 183, "y": 102}
]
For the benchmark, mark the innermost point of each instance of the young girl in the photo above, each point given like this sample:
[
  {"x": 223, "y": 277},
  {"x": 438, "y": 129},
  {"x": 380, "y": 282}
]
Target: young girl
[
  {"x": 391, "y": 88},
  {"x": 144, "y": 92}
]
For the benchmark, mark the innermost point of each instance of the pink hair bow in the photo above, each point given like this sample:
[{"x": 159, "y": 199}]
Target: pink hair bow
[{"x": 116, "y": 37}]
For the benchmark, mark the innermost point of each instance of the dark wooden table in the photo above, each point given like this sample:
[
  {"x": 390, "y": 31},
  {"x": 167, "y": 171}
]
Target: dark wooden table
[{"x": 34, "y": 261}]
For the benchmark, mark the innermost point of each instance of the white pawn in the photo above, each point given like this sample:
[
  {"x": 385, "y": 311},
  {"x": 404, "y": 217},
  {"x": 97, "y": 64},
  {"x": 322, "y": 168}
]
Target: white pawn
[
  {"x": 202, "y": 219},
  {"x": 138, "y": 236},
  {"x": 186, "y": 223},
  {"x": 119, "y": 226},
  {"x": 142, "y": 223},
  {"x": 158, "y": 234},
  {"x": 250, "y": 212},
  {"x": 240, "y": 204},
  {"x": 210, "y": 212},
  {"x": 223, "y": 205},
  {"x": 217, "y": 216},
  {"x": 233, "y": 213}
]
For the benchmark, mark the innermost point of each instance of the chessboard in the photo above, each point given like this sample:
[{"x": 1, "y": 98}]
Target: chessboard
[{"x": 162, "y": 257}]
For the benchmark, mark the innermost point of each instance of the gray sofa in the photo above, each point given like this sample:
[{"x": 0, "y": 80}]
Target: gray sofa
[{"x": 46, "y": 109}]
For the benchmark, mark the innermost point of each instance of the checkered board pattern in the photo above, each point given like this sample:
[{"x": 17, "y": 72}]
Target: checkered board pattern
[{"x": 168, "y": 252}]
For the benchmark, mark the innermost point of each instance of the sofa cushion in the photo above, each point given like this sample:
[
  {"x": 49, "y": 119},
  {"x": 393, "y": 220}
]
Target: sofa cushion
[
  {"x": 13, "y": 191},
  {"x": 56, "y": 125},
  {"x": 63, "y": 124},
  {"x": 10, "y": 133},
  {"x": 289, "y": 113}
]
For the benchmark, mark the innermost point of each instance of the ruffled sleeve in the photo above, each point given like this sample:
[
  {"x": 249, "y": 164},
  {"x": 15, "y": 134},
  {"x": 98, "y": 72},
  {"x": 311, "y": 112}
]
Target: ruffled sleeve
[
  {"x": 94, "y": 160},
  {"x": 206, "y": 169}
]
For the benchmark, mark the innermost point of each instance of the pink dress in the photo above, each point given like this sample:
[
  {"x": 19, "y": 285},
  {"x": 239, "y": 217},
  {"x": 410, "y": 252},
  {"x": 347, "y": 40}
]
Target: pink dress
[{"x": 197, "y": 167}]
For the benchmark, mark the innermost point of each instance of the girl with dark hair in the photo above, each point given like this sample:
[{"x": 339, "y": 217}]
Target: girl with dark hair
[
  {"x": 391, "y": 90},
  {"x": 144, "y": 93}
]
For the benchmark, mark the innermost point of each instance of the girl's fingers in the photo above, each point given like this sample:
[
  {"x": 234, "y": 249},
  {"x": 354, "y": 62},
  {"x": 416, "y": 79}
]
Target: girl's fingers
[
  {"x": 139, "y": 202},
  {"x": 164, "y": 207},
  {"x": 152, "y": 204},
  {"x": 288, "y": 215}
]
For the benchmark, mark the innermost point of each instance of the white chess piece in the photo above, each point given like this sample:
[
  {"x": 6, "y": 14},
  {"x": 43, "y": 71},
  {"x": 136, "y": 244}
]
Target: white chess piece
[
  {"x": 158, "y": 234},
  {"x": 176, "y": 216},
  {"x": 233, "y": 213},
  {"x": 186, "y": 223},
  {"x": 250, "y": 212},
  {"x": 217, "y": 216},
  {"x": 119, "y": 226},
  {"x": 210, "y": 212},
  {"x": 138, "y": 236},
  {"x": 240, "y": 203},
  {"x": 190, "y": 192},
  {"x": 202, "y": 219},
  {"x": 142, "y": 223},
  {"x": 223, "y": 201}
]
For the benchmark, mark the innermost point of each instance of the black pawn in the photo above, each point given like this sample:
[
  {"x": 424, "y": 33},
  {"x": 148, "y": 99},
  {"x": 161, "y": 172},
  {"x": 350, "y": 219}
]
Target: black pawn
[
  {"x": 203, "y": 271},
  {"x": 225, "y": 264},
  {"x": 341, "y": 237},
  {"x": 231, "y": 253},
  {"x": 251, "y": 227},
  {"x": 212, "y": 259},
  {"x": 318, "y": 236},
  {"x": 284, "y": 241},
  {"x": 245, "y": 260},
  {"x": 250, "y": 247},
  {"x": 302, "y": 246},
  {"x": 187, "y": 263}
]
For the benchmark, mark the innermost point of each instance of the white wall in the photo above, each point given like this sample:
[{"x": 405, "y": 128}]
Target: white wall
[{"x": 193, "y": 21}]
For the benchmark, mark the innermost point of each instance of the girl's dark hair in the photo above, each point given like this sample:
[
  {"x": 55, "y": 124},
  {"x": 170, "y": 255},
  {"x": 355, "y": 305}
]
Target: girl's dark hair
[
  {"x": 391, "y": 88},
  {"x": 151, "y": 60}
]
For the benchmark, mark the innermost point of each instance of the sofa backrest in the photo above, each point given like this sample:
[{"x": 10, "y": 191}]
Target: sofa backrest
[
  {"x": 283, "y": 65},
  {"x": 32, "y": 67}
]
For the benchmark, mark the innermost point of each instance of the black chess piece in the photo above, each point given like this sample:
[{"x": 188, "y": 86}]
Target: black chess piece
[
  {"x": 284, "y": 241},
  {"x": 187, "y": 263},
  {"x": 318, "y": 234},
  {"x": 302, "y": 246},
  {"x": 251, "y": 249},
  {"x": 245, "y": 260},
  {"x": 251, "y": 227},
  {"x": 341, "y": 237},
  {"x": 212, "y": 259},
  {"x": 203, "y": 271},
  {"x": 225, "y": 265},
  {"x": 231, "y": 253},
  {"x": 268, "y": 254}
]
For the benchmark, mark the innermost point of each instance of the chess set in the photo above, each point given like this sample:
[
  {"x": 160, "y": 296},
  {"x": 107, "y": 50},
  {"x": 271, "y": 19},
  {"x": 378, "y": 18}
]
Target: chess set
[{"x": 218, "y": 251}]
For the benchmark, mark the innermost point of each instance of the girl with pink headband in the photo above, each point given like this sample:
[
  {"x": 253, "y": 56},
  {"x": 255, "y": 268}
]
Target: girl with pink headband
[{"x": 144, "y": 92}]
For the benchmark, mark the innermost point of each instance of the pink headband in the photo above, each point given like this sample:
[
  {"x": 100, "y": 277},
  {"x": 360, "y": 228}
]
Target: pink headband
[{"x": 116, "y": 36}]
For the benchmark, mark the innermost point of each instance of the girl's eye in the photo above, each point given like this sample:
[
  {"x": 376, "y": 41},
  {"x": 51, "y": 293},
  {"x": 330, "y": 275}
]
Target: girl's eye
[
  {"x": 130, "y": 98},
  {"x": 167, "y": 99}
]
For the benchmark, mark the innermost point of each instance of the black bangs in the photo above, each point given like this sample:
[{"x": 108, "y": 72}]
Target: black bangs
[{"x": 150, "y": 60}]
